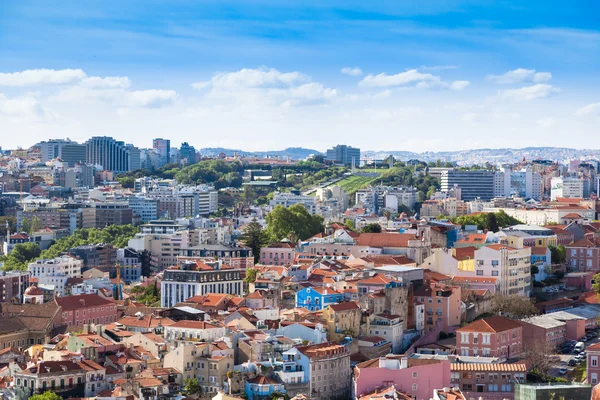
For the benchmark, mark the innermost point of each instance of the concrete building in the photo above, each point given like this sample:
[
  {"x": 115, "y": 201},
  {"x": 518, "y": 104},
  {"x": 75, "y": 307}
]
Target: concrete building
[
  {"x": 543, "y": 391},
  {"x": 289, "y": 199},
  {"x": 342, "y": 320},
  {"x": 187, "y": 154},
  {"x": 13, "y": 285},
  {"x": 162, "y": 147},
  {"x": 144, "y": 208},
  {"x": 85, "y": 309},
  {"x": 68, "y": 151},
  {"x": 112, "y": 155},
  {"x": 569, "y": 187},
  {"x": 473, "y": 184},
  {"x": 101, "y": 215},
  {"x": 343, "y": 154},
  {"x": 441, "y": 303}
]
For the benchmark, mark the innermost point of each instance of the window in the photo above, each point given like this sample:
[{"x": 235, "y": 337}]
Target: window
[
  {"x": 415, "y": 386},
  {"x": 480, "y": 272},
  {"x": 486, "y": 338},
  {"x": 494, "y": 273},
  {"x": 595, "y": 361},
  {"x": 464, "y": 337},
  {"x": 475, "y": 339},
  {"x": 415, "y": 375}
]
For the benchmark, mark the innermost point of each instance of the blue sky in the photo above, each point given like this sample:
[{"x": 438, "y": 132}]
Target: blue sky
[{"x": 426, "y": 75}]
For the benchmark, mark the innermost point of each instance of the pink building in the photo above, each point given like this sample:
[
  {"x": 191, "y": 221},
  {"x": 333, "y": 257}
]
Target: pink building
[
  {"x": 593, "y": 363},
  {"x": 441, "y": 302},
  {"x": 544, "y": 327},
  {"x": 87, "y": 309},
  {"x": 417, "y": 377},
  {"x": 490, "y": 337},
  {"x": 282, "y": 253}
]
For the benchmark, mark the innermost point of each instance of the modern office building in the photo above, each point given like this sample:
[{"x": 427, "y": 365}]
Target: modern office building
[
  {"x": 571, "y": 187},
  {"x": 112, "y": 155},
  {"x": 162, "y": 147},
  {"x": 101, "y": 215},
  {"x": 187, "y": 154},
  {"x": 67, "y": 150},
  {"x": 522, "y": 183},
  {"x": 145, "y": 208},
  {"x": 343, "y": 154},
  {"x": 473, "y": 184}
]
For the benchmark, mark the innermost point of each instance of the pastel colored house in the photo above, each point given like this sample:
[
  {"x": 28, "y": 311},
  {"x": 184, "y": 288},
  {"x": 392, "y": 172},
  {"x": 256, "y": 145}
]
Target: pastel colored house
[
  {"x": 593, "y": 363},
  {"x": 282, "y": 253},
  {"x": 317, "y": 298},
  {"x": 261, "y": 388},
  {"x": 413, "y": 376},
  {"x": 490, "y": 337},
  {"x": 342, "y": 319},
  {"x": 441, "y": 303},
  {"x": 493, "y": 381}
]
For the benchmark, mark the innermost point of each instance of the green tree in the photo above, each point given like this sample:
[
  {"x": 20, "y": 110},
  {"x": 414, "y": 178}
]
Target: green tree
[
  {"x": 12, "y": 225},
  {"x": 250, "y": 275},
  {"x": 282, "y": 221},
  {"x": 371, "y": 228},
  {"x": 36, "y": 225},
  {"x": 192, "y": 387},
  {"x": 25, "y": 225},
  {"x": 20, "y": 256},
  {"x": 279, "y": 396},
  {"x": 349, "y": 224},
  {"x": 558, "y": 254},
  {"x": 48, "y": 395},
  {"x": 254, "y": 237},
  {"x": 491, "y": 224}
]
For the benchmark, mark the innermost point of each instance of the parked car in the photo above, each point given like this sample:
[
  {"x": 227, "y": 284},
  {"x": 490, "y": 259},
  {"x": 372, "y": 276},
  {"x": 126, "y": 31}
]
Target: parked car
[
  {"x": 562, "y": 371},
  {"x": 572, "y": 363},
  {"x": 583, "y": 339},
  {"x": 582, "y": 354},
  {"x": 594, "y": 334}
]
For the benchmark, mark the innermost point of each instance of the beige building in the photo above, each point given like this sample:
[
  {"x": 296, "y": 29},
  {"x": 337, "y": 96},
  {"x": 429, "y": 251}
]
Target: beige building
[
  {"x": 196, "y": 361},
  {"x": 342, "y": 320}
]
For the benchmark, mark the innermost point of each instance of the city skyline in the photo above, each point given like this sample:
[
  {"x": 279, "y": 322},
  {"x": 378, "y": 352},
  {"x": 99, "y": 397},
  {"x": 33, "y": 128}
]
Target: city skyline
[{"x": 437, "y": 76}]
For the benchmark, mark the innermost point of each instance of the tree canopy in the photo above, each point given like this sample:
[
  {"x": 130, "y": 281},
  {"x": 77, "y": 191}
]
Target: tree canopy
[
  {"x": 48, "y": 395},
  {"x": 482, "y": 222},
  {"x": 558, "y": 254},
  {"x": 117, "y": 235},
  {"x": 191, "y": 387},
  {"x": 294, "y": 222},
  {"x": 513, "y": 306},
  {"x": 254, "y": 237},
  {"x": 20, "y": 256},
  {"x": 371, "y": 228}
]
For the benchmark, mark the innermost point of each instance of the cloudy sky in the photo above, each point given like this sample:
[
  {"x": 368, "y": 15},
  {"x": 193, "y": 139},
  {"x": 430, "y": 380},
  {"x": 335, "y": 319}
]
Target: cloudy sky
[{"x": 267, "y": 74}]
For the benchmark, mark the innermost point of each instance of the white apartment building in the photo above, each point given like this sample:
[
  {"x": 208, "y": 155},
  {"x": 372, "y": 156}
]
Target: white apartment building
[
  {"x": 193, "y": 331},
  {"x": 145, "y": 208},
  {"x": 64, "y": 265},
  {"x": 566, "y": 187},
  {"x": 289, "y": 199},
  {"x": 511, "y": 266},
  {"x": 544, "y": 216},
  {"x": 389, "y": 327}
]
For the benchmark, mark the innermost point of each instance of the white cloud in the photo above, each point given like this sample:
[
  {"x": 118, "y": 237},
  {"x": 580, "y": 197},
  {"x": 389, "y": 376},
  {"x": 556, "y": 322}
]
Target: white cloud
[
  {"x": 32, "y": 77},
  {"x": 24, "y": 106},
  {"x": 401, "y": 79},
  {"x": 527, "y": 93},
  {"x": 150, "y": 98},
  {"x": 253, "y": 88},
  {"x": 410, "y": 78},
  {"x": 253, "y": 78},
  {"x": 590, "y": 109},
  {"x": 547, "y": 123},
  {"x": 520, "y": 75},
  {"x": 108, "y": 82},
  {"x": 352, "y": 71},
  {"x": 459, "y": 85}
]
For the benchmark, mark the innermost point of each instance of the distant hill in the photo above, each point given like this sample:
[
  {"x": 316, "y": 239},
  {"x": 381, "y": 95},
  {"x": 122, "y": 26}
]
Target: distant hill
[
  {"x": 493, "y": 156},
  {"x": 295, "y": 153}
]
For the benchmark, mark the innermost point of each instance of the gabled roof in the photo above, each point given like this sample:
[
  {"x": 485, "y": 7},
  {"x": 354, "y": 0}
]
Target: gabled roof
[
  {"x": 82, "y": 301},
  {"x": 585, "y": 242},
  {"x": 492, "y": 324}
]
